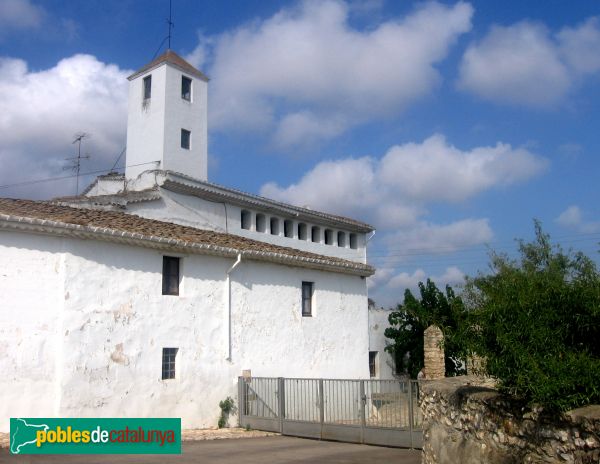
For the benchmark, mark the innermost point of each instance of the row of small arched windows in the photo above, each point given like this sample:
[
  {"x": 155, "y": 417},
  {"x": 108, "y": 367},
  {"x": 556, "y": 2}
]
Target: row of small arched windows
[{"x": 304, "y": 232}]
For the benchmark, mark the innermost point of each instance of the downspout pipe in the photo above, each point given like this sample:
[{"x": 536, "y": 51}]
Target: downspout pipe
[{"x": 228, "y": 303}]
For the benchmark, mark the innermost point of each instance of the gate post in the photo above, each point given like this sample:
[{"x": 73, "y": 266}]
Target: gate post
[
  {"x": 281, "y": 411},
  {"x": 241, "y": 402},
  {"x": 410, "y": 412},
  {"x": 363, "y": 400}
]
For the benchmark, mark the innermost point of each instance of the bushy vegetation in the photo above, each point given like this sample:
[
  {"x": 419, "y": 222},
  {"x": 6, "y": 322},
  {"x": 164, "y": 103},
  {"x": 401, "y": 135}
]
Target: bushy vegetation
[
  {"x": 536, "y": 322},
  {"x": 410, "y": 319},
  {"x": 227, "y": 407}
]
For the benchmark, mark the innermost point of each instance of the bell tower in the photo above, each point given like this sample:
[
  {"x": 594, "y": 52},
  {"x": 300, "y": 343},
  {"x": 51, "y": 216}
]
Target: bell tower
[{"x": 167, "y": 118}]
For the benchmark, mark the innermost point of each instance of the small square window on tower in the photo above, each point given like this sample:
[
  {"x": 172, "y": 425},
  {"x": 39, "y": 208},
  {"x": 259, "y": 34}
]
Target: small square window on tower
[
  {"x": 169, "y": 358},
  {"x": 170, "y": 277},
  {"x": 186, "y": 139},
  {"x": 186, "y": 88},
  {"x": 147, "y": 87}
]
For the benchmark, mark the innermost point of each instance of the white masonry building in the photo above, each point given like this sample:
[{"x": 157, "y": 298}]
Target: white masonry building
[{"x": 151, "y": 292}]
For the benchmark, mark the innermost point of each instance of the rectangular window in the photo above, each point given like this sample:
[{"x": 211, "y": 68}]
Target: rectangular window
[
  {"x": 307, "y": 294},
  {"x": 186, "y": 88},
  {"x": 147, "y": 87},
  {"x": 373, "y": 363},
  {"x": 170, "y": 277},
  {"x": 169, "y": 356},
  {"x": 186, "y": 137}
]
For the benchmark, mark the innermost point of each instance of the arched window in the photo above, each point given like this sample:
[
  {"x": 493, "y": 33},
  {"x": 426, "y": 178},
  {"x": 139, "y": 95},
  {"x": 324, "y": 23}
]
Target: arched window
[
  {"x": 274, "y": 226},
  {"x": 246, "y": 219},
  {"x": 302, "y": 231},
  {"x": 288, "y": 228},
  {"x": 353, "y": 241},
  {"x": 261, "y": 223},
  {"x": 315, "y": 235},
  {"x": 328, "y": 237}
]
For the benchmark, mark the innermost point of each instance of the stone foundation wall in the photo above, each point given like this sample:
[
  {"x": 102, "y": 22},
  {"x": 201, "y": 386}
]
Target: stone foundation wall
[{"x": 466, "y": 421}]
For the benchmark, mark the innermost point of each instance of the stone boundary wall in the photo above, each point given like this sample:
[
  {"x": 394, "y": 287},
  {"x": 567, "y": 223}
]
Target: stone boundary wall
[{"x": 466, "y": 421}]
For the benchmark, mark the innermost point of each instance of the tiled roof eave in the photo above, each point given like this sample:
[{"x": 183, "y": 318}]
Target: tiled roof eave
[{"x": 45, "y": 226}]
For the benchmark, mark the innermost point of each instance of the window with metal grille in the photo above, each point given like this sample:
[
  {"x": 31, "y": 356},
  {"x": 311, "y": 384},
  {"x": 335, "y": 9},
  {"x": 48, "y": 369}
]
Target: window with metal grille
[
  {"x": 169, "y": 356},
  {"x": 147, "y": 87},
  {"x": 373, "y": 363},
  {"x": 170, "y": 277},
  {"x": 186, "y": 88},
  {"x": 186, "y": 138},
  {"x": 307, "y": 294}
]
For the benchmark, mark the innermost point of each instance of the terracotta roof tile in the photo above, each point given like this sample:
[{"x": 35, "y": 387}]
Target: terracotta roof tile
[
  {"x": 122, "y": 222},
  {"x": 173, "y": 58}
]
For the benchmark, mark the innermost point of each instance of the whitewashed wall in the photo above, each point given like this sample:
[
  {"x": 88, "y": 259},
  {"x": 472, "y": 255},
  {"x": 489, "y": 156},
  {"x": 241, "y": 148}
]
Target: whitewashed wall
[
  {"x": 378, "y": 322},
  {"x": 87, "y": 337},
  {"x": 31, "y": 285}
]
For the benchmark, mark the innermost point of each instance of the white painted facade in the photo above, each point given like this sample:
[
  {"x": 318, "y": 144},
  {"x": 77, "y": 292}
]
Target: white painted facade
[
  {"x": 154, "y": 124},
  {"x": 85, "y": 337},
  {"x": 83, "y": 321}
]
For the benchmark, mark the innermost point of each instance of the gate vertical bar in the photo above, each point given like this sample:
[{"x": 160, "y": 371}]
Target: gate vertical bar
[
  {"x": 363, "y": 401},
  {"x": 281, "y": 406},
  {"x": 410, "y": 413},
  {"x": 321, "y": 407}
]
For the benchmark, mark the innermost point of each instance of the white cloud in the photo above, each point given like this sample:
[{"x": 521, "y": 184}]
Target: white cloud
[
  {"x": 392, "y": 192},
  {"x": 526, "y": 64},
  {"x": 579, "y": 46},
  {"x": 452, "y": 276},
  {"x": 572, "y": 218},
  {"x": 19, "y": 14},
  {"x": 306, "y": 74},
  {"x": 436, "y": 170},
  {"x": 446, "y": 238},
  {"x": 42, "y": 110}
]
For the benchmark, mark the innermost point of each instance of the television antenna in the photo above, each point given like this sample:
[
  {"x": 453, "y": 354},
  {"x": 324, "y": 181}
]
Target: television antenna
[
  {"x": 170, "y": 27},
  {"x": 170, "y": 23},
  {"x": 76, "y": 160}
]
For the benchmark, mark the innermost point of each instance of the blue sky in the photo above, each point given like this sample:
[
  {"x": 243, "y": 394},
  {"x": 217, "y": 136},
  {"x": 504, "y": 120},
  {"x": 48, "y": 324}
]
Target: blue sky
[{"x": 447, "y": 125}]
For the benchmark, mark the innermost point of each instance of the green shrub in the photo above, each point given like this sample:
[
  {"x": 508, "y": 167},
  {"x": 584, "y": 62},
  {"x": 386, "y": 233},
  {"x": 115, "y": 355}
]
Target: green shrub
[
  {"x": 227, "y": 407},
  {"x": 536, "y": 322}
]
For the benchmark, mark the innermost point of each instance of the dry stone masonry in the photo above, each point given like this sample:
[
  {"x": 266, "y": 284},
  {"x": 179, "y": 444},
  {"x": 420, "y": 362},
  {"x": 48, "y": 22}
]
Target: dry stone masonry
[
  {"x": 466, "y": 421},
  {"x": 434, "y": 353}
]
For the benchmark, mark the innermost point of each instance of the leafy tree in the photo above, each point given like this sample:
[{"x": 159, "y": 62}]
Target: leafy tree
[
  {"x": 410, "y": 319},
  {"x": 536, "y": 322}
]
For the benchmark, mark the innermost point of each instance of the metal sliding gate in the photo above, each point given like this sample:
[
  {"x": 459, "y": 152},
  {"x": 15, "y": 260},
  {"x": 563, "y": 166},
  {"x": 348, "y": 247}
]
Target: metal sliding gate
[{"x": 377, "y": 412}]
